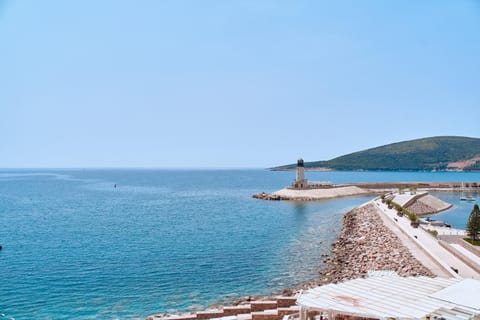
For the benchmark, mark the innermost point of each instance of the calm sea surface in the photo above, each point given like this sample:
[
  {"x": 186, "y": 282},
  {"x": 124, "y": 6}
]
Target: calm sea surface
[{"x": 77, "y": 247}]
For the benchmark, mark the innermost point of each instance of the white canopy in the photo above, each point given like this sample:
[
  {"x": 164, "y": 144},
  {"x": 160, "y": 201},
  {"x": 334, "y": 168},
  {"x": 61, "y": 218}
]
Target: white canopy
[{"x": 390, "y": 296}]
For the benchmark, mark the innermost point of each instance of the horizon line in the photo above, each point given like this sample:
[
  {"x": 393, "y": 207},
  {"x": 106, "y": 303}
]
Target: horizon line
[{"x": 135, "y": 168}]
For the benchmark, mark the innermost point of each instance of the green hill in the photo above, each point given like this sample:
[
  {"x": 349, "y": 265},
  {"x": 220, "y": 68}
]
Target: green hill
[{"x": 435, "y": 153}]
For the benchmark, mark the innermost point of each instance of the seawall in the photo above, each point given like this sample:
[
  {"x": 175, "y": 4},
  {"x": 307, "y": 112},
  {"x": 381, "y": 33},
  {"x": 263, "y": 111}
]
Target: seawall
[
  {"x": 366, "y": 244},
  {"x": 313, "y": 194},
  {"x": 319, "y": 192}
]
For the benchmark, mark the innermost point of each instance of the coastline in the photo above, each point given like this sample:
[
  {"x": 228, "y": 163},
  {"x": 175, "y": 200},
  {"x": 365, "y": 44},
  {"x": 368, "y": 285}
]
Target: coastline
[
  {"x": 370, "y": 241},
  {"x": 331, "y": 191},
  {"x": 364, "y": 244},
  {"x": 231, "y": 200},
  {"x": 367, "y": 244}
]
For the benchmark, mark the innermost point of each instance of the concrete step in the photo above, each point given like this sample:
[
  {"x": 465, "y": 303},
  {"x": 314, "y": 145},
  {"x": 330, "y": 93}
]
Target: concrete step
[
  {"x": 263, "y": 305},
  {"x": 274, "y": 314},
  {"x": 265, "y": 315},
  {"x": 209, "y": 314},
  {"x": 286, "y": 301},
  {"x": 287, "y": 311},
  {"x": 187, "y": 316},
  {"x": 256, "y": 310},
  {"x": 235, "y": 310},
  {"x": 244, "y": 316}
]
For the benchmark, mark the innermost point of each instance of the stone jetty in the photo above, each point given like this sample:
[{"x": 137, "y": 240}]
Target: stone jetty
[
  {"x": 366, "y": 244},
  {"x": 313, "y": 194}
]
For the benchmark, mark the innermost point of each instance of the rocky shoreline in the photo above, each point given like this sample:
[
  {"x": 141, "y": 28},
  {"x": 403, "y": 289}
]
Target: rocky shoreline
[
  {"x": 366, "y": 244},
  {"x": 268, "y": 196}
]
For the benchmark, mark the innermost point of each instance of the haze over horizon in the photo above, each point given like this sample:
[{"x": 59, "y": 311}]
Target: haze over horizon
[{"x": 180, "y": 84}]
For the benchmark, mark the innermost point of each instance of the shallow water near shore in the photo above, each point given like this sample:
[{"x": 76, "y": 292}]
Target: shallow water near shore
[{"x": 128, "y": 243}]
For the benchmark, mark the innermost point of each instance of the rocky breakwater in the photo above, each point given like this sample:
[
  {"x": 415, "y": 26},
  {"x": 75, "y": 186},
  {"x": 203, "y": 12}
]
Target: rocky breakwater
[
  {"x": 312, "y": 194},
  {"x": 428, "y": 204},
  {"x": 267, "y": 196},
  {"x": 366, "y": 244}
]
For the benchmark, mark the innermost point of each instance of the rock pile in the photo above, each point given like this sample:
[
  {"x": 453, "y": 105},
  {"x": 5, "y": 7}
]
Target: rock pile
[
  {"x": 420, "y": 208},
  {"x": 267, "y": 196},
  {"x": 428, "y": 204},
  {"x": 366, "y": 244}
]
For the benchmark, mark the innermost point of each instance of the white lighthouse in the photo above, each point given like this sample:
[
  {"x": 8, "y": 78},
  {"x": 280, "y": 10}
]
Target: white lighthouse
[{"x": 300, "y": 182}]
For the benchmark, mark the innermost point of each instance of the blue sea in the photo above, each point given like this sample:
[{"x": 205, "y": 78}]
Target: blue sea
[{"x": 124, "y": 244}]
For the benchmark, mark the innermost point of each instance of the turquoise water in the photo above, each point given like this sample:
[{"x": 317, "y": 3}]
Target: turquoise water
[{"x": 74, "y": 246}]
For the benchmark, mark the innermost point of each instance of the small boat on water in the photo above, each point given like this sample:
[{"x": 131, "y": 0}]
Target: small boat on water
[{"x": 469, "y": 198}]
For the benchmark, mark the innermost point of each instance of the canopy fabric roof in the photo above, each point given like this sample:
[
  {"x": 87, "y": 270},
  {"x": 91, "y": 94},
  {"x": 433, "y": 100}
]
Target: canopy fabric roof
[{"x": 391, "y": 296}]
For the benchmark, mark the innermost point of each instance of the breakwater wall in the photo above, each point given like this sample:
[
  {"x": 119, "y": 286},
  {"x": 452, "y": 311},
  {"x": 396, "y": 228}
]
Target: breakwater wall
[
  {"x": 366, "y": 244},
  {"x": 312, "y": 193},
  {"x": 436, "y": 185}
]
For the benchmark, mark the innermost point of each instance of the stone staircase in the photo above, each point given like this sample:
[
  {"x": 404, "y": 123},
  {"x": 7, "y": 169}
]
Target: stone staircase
[{"x": 274, "y": 309}]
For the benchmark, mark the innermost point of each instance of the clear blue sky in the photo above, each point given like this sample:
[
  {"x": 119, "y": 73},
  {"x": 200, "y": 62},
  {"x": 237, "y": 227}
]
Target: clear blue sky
[{"x": 231, "y": 83}]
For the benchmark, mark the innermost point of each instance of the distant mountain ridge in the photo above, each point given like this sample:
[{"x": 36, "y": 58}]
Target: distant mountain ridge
[{"x": 434, "y": 153}]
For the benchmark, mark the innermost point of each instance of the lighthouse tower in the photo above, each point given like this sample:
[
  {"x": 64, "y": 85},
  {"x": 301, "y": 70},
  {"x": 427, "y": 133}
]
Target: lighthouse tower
[{"x": 300, "y": 181}]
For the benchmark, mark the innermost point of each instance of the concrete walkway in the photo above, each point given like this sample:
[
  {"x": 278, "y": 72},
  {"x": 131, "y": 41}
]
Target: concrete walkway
[
  {"x": 466, "y": 253},
  {"x": 424, "y": 246},
  {"x": 445, "y": 231}
]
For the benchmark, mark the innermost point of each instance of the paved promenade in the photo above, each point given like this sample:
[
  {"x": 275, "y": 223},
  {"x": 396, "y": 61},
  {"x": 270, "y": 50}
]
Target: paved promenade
[{"x": 424, "y": 246}]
